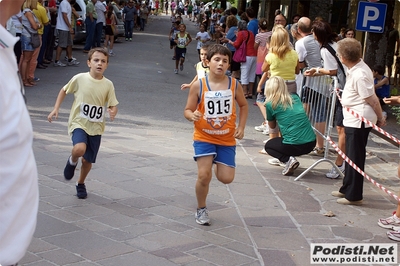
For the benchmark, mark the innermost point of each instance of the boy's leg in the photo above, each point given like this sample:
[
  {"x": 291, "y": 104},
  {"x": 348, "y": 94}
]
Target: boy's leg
[
  {"x": 85, "y": 169},
  {"x": 204, "y": 175},
  {"x": 225, "y": 174}
]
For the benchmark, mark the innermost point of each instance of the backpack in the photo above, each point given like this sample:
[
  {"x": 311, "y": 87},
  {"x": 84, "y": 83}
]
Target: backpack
[{"x": 341, "y": 74}]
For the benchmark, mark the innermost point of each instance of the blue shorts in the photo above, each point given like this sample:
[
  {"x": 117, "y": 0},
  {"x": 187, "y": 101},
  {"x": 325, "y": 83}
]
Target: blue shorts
[
  {"x": 92, "y": 143},
  {"x": 26, "y": 43},
  {"x": 180, "y": 53},
  {"x": 222, "y": 154}
]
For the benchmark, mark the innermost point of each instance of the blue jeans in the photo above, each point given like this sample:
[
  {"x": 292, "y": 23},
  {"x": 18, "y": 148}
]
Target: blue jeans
[
  {"x": 129, "y": 28},
  {"x": 98, "y": 33},
  {"x": 90, "y": 30},
  {"x": 46, "y": 31},
  {"x": 142, "y": 22}
]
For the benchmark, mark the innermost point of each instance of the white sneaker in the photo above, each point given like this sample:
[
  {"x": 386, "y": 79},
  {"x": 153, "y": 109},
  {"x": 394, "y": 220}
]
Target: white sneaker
[
  {"x": 176, "y": 71},
  {"x": 111, "y": 54},
  {"x": 275, "y": 161},
  {"x": 73, "y": 63},
  {"x": 261, "y": 127},
  {"x": 66, "y": 58},
  {"x": 392, "y": 222},
  {"x": 59, "y": 64},
  {"x": 290, "y": 166},
  {"x": 333, "y": 174}
]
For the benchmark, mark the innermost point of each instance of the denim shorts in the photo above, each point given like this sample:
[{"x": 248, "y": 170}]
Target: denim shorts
[
  {"x": 26, "y": 43},
  {"x": 260, "y": 97},
  {"x": 222, "y": 154},
  {"x": 92, "y": 143}
]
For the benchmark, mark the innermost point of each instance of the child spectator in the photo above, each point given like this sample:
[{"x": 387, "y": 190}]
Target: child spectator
[
  {"x": 201, "y": 67},
  {"x": 215, "y": 130},
  {"x": 182, "y": 39},
  {"x": 202, "y": 37},
  {"x": 382, "y": 87},
  {"x": 87, "y": 118}
]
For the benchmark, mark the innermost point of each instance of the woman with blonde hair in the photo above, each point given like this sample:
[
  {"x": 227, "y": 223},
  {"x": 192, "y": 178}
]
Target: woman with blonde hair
[
  {"x": 282, "y": 60},
  {"x": 285, "y": 109},
  {"x": 30, "y": 25}
]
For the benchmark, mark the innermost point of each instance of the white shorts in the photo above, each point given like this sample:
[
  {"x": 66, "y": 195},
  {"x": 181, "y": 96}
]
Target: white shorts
[{"x": 248, "y": 70}]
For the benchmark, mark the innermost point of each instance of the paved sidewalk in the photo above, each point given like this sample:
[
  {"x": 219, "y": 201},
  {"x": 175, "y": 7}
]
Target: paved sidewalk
[{"x": 141, "y": 202}]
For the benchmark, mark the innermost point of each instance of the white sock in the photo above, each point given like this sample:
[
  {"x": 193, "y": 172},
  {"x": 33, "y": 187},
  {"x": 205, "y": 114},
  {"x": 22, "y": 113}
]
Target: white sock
[{"x": 71, "y": 162}]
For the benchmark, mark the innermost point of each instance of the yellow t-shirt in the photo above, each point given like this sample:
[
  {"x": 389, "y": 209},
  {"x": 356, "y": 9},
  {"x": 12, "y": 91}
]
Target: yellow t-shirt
[
  {"x": 41, "y": 15},
  {"x": 284, "y": 68},
  {"x": 92, "y": 97},
  {"x": 201, "y": 71}
]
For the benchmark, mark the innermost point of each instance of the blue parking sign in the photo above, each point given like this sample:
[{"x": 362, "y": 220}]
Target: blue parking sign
[{"x": 371, "y": 17}]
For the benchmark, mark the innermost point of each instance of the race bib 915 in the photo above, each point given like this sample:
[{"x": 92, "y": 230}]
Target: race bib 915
[{"x": 218, "y": 103}]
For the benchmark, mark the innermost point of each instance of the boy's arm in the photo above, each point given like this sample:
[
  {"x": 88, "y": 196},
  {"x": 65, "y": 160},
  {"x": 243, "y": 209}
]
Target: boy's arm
[
  {"x": 60, "y": 99},
  {"x": 190, "y": 112},
  {"x": 112, "y": 110},
  {"x": 190, "y": 39},
  {"x": 243, "y": 112},
  {"x": 381, "y": 83},
  {"x": 185, "y": 86}
]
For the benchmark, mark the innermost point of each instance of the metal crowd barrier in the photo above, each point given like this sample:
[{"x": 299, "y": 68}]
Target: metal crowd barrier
[{"x": 319, "y": 100}]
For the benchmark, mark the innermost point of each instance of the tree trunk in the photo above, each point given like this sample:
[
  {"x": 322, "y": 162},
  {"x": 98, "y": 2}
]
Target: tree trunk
[{"x": 376, "y": 43}]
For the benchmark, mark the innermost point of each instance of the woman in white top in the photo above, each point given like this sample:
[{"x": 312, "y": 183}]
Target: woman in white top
[
  {"x": 30, "y": 25},
  {"x": 359, "y": 96}
]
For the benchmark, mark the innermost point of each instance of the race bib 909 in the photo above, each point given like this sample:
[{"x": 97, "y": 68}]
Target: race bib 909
[{"x": 93, "y": 113}]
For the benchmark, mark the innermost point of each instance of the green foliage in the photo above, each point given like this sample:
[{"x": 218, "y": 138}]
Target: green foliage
[{"x": 396, "y": 112}]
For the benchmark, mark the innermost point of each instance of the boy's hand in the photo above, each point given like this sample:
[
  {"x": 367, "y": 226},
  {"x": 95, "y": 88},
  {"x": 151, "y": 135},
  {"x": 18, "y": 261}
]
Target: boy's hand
[
  {"x": 53, "y": 113},
  {"x": 112, "y": 113},
  {"x": 239, "y": 133},
  {"x": 196, "y": 116}
]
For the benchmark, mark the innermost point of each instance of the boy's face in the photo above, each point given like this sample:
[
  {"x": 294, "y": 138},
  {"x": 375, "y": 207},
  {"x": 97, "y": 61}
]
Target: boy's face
[
  {"x": 219, "y": 64},
  {"x": 202, "y": 29},
  {"x": 98, "y": 64},
  {"x": 182, "y": 27},
  {"x": 374, "y": 73},
  {"x": 203, "y": 55}
]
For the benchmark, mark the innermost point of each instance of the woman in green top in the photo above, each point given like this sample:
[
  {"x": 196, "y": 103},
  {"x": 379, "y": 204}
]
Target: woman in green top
[{"x": 286, "y": 110}]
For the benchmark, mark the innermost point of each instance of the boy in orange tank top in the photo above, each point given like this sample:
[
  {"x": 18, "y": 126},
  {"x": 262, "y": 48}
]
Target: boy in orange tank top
[{"x": 211, "y": 106}]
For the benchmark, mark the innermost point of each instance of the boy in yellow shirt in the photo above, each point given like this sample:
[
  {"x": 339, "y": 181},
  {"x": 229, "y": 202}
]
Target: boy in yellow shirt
[{"x": 92, "y": 91}]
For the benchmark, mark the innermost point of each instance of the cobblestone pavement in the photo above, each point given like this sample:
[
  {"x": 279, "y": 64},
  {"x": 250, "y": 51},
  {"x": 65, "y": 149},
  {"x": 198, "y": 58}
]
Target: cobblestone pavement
[{"x": 141, "y": 203}]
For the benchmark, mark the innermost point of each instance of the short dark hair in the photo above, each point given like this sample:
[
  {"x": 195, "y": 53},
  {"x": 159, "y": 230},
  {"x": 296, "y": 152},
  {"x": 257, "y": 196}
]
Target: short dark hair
[
  {"x": 214, "y": 49},
  {"x": 250, "y": 12},
  {"x": 323, "y": 32},
  {"x": 380, "y": 69},
  {"x": 234, "y": 10}
]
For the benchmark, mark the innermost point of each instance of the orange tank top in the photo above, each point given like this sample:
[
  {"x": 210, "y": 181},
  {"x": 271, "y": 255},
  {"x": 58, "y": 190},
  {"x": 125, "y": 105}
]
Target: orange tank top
[{"x": 218, "y": 124}]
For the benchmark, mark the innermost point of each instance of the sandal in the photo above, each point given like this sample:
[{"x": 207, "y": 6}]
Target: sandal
[
  {"x": 249, "y": 96},
  {"x": 27, "y": 84}
]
